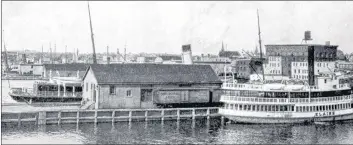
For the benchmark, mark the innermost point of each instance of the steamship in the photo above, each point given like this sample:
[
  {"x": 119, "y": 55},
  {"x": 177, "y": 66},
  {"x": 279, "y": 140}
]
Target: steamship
[
  {"x": 288, "y": 102},
  {"x": 57, "y": 89}
]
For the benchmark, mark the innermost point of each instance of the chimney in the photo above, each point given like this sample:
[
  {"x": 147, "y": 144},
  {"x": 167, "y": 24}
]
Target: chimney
[
  {"x": 327, "y": 43},
  {"x": 187, "y": 55}
]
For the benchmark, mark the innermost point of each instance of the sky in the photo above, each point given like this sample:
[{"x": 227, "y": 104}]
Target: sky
[{"x": 164, "y": 26}]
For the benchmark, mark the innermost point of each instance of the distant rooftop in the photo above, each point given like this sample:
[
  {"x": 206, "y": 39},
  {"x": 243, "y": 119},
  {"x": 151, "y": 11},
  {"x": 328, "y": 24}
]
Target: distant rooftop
[{"x": 67, "y": 67}]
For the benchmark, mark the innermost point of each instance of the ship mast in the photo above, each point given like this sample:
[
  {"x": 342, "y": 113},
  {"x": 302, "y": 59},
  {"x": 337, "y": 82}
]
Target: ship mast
[
  {"x": 258, "y": 25},
  {"x": 41, "y": 56},
  {"x": 5, "y": 54},
  {"x": 65, "y": 53},
  {"x": 94, "y": 49},
  {"x": 51, "y": 55},
  {"x": 125, "y": 51}
]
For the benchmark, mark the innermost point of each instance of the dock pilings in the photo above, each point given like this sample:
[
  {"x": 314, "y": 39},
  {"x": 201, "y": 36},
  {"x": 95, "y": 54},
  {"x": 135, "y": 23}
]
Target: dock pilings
[{"x": 109, "y": 115}]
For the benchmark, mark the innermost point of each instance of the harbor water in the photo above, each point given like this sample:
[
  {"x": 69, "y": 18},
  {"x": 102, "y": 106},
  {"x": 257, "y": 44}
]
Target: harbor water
[{"x": 170, "y": 132}]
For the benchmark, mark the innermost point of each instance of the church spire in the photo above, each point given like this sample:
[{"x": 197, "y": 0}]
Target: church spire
[{"x": 256, "y": 50}]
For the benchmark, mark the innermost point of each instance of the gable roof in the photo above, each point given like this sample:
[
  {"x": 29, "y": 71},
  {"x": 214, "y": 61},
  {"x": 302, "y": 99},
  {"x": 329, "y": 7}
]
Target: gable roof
[
  {"x": 153, "y": 74},
  {"x": 67, "y": 67}
]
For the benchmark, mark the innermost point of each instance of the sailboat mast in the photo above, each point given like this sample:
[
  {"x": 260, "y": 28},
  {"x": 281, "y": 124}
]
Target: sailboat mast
[
  {"x": 66, "y": 54},
  {"x": 125, "y": 52},
  {"x": 258, "y": 25},
  {"x": 5, "y": 54},
  {"x": 93, "y": 46},
  {"x": 51, "y": 55}
]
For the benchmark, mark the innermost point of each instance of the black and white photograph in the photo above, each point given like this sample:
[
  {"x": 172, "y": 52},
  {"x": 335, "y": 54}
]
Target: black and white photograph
[{"x": 176, "y": 72}]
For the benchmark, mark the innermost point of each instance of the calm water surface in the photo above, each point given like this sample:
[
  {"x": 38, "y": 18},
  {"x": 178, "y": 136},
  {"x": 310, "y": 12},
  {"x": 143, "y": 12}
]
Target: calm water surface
[{"x": 172, "y": 133}]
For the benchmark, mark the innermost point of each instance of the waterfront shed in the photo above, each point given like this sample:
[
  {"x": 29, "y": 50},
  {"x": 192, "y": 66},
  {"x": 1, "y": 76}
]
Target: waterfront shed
[{"x": 109, "y": 86}]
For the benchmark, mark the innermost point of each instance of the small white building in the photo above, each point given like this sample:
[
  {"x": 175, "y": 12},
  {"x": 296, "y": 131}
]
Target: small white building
[{"x": 31, "y": 69}]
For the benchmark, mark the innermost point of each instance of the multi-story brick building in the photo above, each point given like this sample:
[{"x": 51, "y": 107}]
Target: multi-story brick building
[
  {"x": 274, "y": 66},
  {"x": 302, "y": 61}
]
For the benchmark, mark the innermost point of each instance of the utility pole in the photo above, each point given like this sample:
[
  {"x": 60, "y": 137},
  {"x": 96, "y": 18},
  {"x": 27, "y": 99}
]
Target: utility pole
[{"x": 92, "y": 38}]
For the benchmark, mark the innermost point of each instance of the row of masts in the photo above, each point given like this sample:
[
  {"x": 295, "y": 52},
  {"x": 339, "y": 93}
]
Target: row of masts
[
  {"x": 6, "y": 69},
  {"x": 94, "y": 50}
]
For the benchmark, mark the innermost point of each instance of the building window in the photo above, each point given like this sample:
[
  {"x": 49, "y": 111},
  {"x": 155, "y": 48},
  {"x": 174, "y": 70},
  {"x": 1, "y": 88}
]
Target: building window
[
  {"x": 111, "y": 90},
  {"x": 128, "y": 93},
  {"x": 325, "y": 81},
  {"x": 86, "y": 87}
]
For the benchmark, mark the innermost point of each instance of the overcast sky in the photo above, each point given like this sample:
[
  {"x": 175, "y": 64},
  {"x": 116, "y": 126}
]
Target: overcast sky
[{"x": 164, "y": 26}]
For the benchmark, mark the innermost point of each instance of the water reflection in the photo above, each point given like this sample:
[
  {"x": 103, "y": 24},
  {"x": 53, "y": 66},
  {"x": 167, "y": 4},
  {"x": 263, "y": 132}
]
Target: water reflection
[{"x": 184, "y": 132}]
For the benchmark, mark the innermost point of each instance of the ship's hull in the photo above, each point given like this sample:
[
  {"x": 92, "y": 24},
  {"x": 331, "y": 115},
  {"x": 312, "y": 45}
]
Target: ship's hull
[
  {"x": 33, "y": 99},
  {"x": 276, "y": 120}
]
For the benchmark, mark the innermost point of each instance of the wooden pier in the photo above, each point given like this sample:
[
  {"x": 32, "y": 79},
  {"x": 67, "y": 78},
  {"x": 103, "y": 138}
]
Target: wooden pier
[{"x": 98, "y": 116}]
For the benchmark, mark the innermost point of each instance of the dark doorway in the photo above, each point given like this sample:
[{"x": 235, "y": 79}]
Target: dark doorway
[{"x": 210, "y": 97}]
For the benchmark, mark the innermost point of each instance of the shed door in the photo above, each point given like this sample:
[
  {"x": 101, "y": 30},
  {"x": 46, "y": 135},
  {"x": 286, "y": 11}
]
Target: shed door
[
  {"x": 184, "y": 96},
  {"x": 210, "y": 98}
]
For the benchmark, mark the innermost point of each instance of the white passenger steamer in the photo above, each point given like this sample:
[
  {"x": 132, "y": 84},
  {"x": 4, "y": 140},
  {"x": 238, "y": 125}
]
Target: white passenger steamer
[{"x": 288, "y": 102}]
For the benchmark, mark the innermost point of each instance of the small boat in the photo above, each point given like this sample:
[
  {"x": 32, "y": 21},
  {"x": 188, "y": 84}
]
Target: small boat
[{"x": 57, "y": 89}]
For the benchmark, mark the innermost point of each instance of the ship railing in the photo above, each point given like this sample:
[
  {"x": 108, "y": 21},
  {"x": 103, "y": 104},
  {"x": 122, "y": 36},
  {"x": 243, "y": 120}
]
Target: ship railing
[
  {"x": 331, "y": 99},
  {"x": 242, "y": 86},
  {"x": 253, "y": 99},
  {"x": 286, "y": 100},
  {"x": 60, "y": 94},
  {"x": 22, "y": 91},
  {"x": 321, "y": 89}
]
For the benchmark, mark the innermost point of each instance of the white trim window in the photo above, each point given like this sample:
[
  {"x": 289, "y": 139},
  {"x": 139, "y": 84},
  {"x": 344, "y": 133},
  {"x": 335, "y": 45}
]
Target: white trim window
[
  {"x": 128, "y": 93},
  {"x": 112, "y": 90}
]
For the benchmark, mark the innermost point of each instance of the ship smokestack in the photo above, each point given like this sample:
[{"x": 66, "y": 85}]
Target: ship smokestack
[{"x": 187, "y": 55}]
